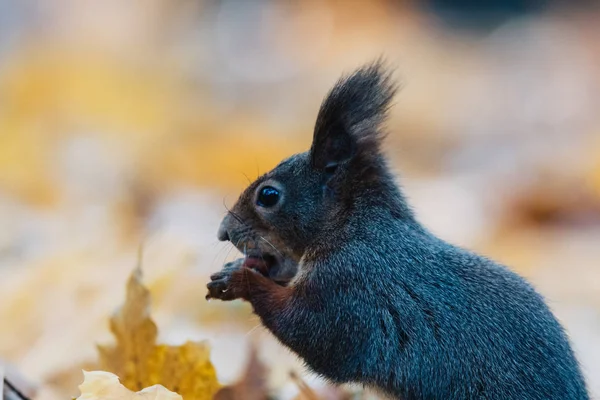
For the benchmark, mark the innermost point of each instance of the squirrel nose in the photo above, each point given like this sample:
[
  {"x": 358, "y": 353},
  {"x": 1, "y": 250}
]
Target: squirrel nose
[{"x": 223, "y": 234}]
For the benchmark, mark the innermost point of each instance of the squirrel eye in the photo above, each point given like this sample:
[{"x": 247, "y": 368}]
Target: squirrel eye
[{"x": 268, "y": 197}]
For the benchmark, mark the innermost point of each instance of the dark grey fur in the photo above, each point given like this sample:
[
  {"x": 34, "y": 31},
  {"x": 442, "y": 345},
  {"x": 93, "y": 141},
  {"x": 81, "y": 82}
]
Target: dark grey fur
[{"x": 378, "y": 299}]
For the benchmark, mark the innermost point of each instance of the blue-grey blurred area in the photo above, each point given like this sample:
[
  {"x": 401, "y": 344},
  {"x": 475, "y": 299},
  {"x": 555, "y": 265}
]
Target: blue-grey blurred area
[
  {"x": 13, "y": 20},
  {"x": 128, "y": 122}
]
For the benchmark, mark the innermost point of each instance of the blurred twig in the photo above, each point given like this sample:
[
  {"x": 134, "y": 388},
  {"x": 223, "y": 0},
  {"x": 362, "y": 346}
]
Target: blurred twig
[
  {"x": 305, "y": 391},
  {"x": 9, "y": 387}
]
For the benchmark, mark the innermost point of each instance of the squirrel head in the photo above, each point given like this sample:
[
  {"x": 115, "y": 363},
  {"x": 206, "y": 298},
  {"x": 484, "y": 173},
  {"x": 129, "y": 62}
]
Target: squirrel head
[{"x": 311, "y": 196}]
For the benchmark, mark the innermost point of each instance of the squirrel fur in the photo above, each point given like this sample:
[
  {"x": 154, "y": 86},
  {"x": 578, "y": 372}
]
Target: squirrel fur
[{"x": 338, "y": 268}]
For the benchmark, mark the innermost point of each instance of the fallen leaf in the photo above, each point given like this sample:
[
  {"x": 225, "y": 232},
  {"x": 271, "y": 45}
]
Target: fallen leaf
[
  {"x": 252, "y": 385},
  {"x": 102, "y": 385},
  {"x": 140, "y": 362}
]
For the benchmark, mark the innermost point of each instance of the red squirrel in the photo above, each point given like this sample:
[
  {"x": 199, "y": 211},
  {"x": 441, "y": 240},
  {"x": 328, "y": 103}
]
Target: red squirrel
[{"x": 338, "y": 268}]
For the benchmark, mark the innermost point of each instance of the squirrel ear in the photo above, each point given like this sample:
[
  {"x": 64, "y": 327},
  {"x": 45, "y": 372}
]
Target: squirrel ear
[
  {"x": 350, "y": 117},
  {"x": 332, "y": 147}
]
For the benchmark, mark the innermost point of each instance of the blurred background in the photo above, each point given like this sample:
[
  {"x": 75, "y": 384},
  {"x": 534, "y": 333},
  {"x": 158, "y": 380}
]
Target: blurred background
[{"x": 128, "y": 122}]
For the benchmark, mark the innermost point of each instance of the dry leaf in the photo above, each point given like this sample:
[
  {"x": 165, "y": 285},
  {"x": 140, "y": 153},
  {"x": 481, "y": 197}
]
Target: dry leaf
[
  {"x": 252, "y": 385},
  {"x": 101, "y": 385},
  {"x": 140, "y": 362}
]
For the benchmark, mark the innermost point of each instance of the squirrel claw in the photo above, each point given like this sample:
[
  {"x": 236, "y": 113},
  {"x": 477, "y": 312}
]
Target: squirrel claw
[
  {"x": 218, "y": 288},
  {"x": 222, "y": 286}
]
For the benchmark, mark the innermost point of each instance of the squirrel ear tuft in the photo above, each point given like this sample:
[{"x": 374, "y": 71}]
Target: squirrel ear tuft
[{"x": 350, "y": 117}]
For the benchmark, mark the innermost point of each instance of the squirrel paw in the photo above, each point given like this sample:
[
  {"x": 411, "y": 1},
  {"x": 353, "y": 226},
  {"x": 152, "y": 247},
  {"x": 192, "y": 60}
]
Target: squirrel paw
[{"x": 230, "y": 283}]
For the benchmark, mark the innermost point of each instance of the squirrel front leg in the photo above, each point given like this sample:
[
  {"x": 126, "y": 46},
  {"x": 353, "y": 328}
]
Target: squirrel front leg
[
  {"x": 235, "y": 281},
  {"x": 303, "y": 322},
  {"x": 279, "y": 308}
]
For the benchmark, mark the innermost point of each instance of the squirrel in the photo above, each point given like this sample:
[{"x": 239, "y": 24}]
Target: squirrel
[{"x": 338, "y": 268}]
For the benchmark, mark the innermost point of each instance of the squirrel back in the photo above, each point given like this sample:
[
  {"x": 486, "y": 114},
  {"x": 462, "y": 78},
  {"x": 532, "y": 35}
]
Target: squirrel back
[{"x": 339, "y": 269}]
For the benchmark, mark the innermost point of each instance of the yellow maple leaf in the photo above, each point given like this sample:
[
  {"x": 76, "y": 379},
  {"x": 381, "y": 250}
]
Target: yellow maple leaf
[
  {"x": 102, "y": 385},
  {"x": 140, "y": 362}
]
